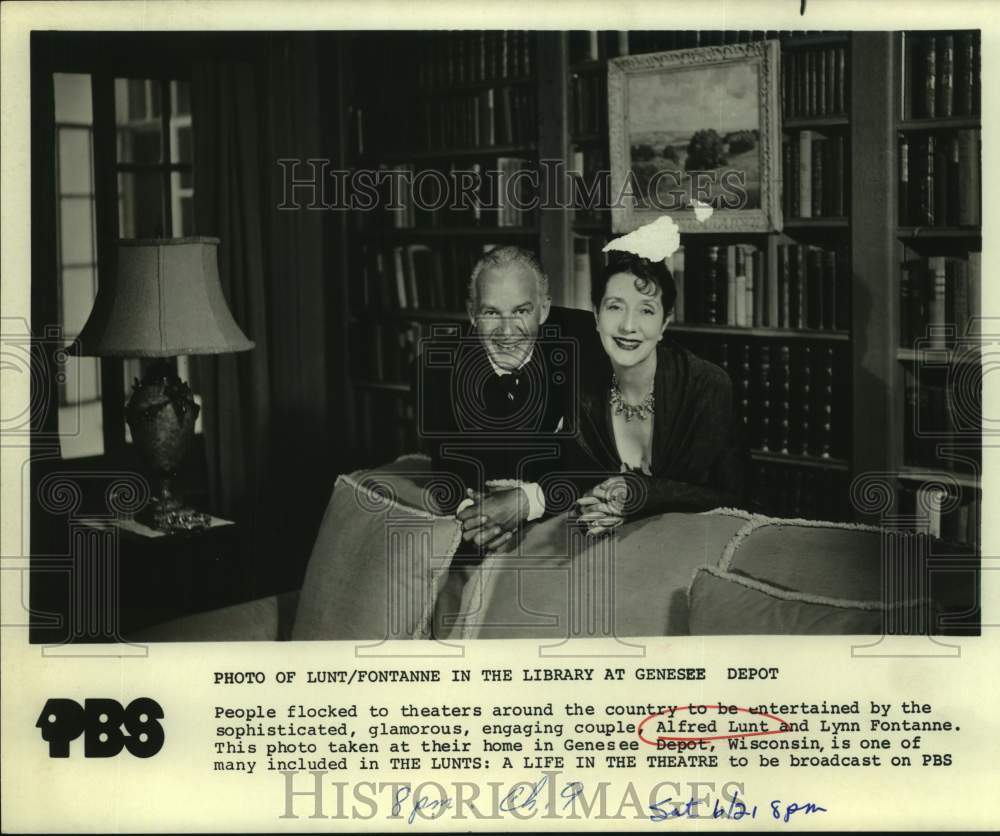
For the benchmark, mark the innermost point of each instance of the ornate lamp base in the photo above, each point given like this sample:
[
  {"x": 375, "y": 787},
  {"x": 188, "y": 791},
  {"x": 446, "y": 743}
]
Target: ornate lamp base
[
  {"x": 161, "y": 416},
  {"x": 168, "y": 514}
]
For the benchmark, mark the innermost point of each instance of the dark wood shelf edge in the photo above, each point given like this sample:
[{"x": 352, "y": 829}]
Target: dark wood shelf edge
[
  {"x": 911, "y": 473},
  {"x": 398, "y": 388},
  {"x": 452, "y": 232},
  {"x": 816, "y": 223},
  {"x": 797, "y": 460},
  {"x": 831, "y": 121},
  {"x": 415, "y": 155},
  {"x": 918, "y": 233},
  {"x": 761, "y": 332},
  {"x": 939, "y": 123}
]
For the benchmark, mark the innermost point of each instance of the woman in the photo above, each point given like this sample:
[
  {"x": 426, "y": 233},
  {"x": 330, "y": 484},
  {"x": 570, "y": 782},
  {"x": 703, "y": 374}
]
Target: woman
[{"x": 657, "y": 414}]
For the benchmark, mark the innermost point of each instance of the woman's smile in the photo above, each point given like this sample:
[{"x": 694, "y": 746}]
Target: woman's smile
[{"x": 627, "y": 343}]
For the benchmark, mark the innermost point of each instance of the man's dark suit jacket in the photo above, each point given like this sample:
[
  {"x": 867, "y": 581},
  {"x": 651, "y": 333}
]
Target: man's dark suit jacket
[{"x": 480, "y": 426}]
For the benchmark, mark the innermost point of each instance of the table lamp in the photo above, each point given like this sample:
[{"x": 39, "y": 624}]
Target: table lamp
[{"x": 164, "y": 301}]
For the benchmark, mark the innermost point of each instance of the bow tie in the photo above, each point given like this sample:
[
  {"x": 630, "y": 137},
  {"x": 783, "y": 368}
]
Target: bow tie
[{"x": 504, "y": 392}]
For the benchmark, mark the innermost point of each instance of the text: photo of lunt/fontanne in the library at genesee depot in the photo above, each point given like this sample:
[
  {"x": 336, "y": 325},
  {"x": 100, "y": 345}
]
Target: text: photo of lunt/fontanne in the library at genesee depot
[{"x": 343, "y": 334}]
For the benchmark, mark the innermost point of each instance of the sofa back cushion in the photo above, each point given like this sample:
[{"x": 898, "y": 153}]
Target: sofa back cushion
[
  {"x": 558, "y": 583},
  {"x": 804, "y": 577},
  {"x": 379, "y": 557}
]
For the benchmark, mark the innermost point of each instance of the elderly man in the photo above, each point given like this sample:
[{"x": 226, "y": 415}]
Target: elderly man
[{"x": 496, "y": 413}]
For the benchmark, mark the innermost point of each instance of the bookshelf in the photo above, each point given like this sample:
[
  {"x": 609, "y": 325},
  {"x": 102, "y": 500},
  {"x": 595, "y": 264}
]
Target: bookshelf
[
  {"x": 425, "y": 112},
  {"x": 773, "y": 310},
  {"x": 937, "y": 249},
  {"x": 813, "y": 323}
]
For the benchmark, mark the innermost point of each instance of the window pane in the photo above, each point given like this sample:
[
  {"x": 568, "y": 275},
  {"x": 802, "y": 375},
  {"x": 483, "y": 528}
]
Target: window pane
[
  {"x": 139, "y": 144},
  {"x": 180, "y": 151},
  {"x": 140, "y": 204},
  {"x": 83, "y": 381},
  {"x": 73, "y": 101},
  {"x": 76, "y": 231},
  {"x": 180, "y": 98},
  {"x": 78, "y": 293},
  {"x": 80, "y": 412},
  {"x": 81, "y": 430},
  {"x": 74, "y": 161},
  {"x": 181, "y": 208},
  {"x": 140, "y": 132}
]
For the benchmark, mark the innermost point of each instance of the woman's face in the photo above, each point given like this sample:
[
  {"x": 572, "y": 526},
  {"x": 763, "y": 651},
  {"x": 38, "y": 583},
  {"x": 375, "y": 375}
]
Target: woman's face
[{"x": 630, "y": 322}]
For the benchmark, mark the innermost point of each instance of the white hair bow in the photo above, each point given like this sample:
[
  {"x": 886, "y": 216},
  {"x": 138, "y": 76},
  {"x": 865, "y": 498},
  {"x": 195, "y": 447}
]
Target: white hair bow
[{"x": 655, "y": 241}]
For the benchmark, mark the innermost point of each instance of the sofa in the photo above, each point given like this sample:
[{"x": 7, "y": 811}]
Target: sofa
[{"x": 382, "y": 569}]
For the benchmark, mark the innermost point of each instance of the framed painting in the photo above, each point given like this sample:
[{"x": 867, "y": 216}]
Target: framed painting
[{"x": 696, "y": 128}]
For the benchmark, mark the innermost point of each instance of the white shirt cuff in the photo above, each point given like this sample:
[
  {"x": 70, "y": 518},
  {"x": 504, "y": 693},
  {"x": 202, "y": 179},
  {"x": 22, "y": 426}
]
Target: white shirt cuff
[
  {"x": 532, "y": 491},
  {"x": 536, "y": 500}
]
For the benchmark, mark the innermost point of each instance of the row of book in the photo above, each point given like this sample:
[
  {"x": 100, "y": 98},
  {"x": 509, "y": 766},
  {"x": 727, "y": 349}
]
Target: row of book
[
  {"x": 502, "y": 194},
  {"x": 814, "y": 81},
  {"x": 416, "y": 276},
  {"x": 815, "y": 174},
  {"x": 941, "y": 74},
  {"x": 807, "y": 288},
  {"x": 495, "y": 116},
  {"x": 953, "y": 517},
  {"x": 940, "y": 178},
  {"x": 793, "y": 398},
  {"x": 943, "y": 416},
  {"x": 939, "y": 299},
  {"x": 452, "y": 58}
]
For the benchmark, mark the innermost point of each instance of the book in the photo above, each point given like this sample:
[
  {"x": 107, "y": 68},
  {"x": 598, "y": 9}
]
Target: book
[
  {"x": 904, "y": 180},
  {"x": 763, "y": 440},
  {"x": 712, "y": 279},
  {"x": 969, "y": 177},
  {"x": 805, "y": 397},
  {"x": 975, "y": 293},
  {"x": 837, "y": 178},
  {"x": 731, "y": 268},
  {"x": 784, "y": 398},
  {"x": 818, "y": 152},
  {"x": 928, "y": 82},
  {"x": 965, "y": 71},
  {"x": 677, "y": 270},
  {"x": 740, "y": 302},
  {"x": 941, "y": 186},
  {"x": 806, "y": 139},
  {"x": 946, "y": 79},
  {"x": 937, "y": 304}
]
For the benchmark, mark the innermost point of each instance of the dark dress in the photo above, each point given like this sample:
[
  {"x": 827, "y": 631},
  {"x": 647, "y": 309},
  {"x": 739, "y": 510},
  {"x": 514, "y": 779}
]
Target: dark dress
[{"x": 698, "y": 458}]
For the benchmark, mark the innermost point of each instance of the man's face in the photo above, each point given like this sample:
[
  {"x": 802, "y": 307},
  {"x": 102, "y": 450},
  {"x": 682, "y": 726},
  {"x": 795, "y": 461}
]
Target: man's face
[{"x": 509, "y": 314}]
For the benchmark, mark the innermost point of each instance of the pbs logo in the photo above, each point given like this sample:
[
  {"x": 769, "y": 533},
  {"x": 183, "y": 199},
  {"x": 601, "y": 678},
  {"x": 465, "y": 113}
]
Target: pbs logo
[{"x": 106, "y": 726}]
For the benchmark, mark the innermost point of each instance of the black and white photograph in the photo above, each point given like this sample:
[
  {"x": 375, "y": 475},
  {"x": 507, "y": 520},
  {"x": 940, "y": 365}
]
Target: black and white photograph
[
  {"x": 496, "y": 417},
  {"x": 333, "y": 336}
]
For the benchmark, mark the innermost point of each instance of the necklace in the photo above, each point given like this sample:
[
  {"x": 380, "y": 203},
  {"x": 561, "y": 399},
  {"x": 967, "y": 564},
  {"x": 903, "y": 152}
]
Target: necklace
[{"x": 621, "y": 407}]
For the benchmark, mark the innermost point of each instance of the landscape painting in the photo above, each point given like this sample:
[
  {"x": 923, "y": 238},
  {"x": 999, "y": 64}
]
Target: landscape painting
[
  {"x": 699, "y": 120},
  {"x": 696, "y": 128}
]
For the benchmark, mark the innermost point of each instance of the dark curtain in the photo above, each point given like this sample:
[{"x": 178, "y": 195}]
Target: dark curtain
[{"x": 264, "y": 410}]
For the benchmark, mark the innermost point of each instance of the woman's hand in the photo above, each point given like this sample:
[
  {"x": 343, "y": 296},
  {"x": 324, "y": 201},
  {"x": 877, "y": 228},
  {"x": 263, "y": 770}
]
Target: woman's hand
[
  {"x": 492, "y": 519},
  {"x": 603, "y": 508}
]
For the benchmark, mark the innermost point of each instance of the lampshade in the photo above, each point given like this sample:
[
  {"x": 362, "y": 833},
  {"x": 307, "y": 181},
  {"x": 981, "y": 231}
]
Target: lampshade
[{"x": 164, "y": 301}]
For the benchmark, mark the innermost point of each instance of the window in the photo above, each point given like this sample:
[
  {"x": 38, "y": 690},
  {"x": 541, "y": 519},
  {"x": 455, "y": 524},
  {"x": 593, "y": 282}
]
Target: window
[
  {"x": 80, "y": 412},
  {"x": 154, "y": 174}
]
